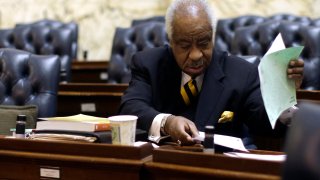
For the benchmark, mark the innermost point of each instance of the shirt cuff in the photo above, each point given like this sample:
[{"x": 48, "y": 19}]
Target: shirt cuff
[{"x": 154, "y": 131}]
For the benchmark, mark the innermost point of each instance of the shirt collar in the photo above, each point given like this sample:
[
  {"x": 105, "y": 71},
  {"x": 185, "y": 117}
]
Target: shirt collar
[{"x": 185, "y": 78}]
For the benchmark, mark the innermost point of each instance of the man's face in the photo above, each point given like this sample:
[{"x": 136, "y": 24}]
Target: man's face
[{"x": 192, "y": 44}]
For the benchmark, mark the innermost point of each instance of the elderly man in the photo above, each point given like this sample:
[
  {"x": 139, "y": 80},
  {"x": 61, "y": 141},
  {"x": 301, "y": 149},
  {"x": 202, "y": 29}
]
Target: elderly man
[{"x": 179, "y": 89}]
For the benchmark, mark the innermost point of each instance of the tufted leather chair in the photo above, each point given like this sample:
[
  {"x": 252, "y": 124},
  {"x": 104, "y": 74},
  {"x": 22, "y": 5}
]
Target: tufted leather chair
[
  {"x": 43, "y": 41},
  {"x": 147, "y": 20},
  {"x": 226, "y": 28},
  {"x": 128, "y": 41},
  {"x": 255, "y": 40},
  {"x": 28, "y": 79},
  {"x": 73, "y": 26},
  {"x": 292, "y": 18}
]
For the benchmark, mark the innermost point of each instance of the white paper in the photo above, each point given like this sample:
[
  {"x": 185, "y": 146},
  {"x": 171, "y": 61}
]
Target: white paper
[
  {"x": 265, "y": 157},
  {"x": 230, "y": 142},
  {"x": 223, "y": 140},
  {"x": 276, "y": 45}
]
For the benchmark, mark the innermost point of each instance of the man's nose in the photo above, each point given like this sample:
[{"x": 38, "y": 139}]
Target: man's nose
[{"x": 195, "y": 54}]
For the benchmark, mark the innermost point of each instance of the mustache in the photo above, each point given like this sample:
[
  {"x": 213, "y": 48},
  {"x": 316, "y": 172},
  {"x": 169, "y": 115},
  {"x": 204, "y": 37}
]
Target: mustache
[{"x": 198, "y": 63}]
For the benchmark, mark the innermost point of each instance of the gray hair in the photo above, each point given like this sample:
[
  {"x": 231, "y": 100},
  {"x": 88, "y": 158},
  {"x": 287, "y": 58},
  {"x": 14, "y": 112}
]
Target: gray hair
[{"x": 174, "y": 7}]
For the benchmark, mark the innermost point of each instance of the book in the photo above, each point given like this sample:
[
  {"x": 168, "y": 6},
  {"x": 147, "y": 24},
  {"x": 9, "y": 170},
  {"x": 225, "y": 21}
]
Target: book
[{"x": 79, "y": 122}]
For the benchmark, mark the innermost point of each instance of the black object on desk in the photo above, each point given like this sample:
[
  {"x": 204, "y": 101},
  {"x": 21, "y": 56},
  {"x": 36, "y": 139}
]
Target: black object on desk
[
  {"x": 21, "y": 126},
  {"x": 209, "y": 139}
]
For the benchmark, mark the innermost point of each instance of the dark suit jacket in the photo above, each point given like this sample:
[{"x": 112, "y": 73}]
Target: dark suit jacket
[{"x": 229, "y": 84}]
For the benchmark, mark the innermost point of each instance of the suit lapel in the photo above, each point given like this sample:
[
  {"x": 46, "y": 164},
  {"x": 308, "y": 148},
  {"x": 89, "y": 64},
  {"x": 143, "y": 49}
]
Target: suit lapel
[{"x": 211, "y": 92}]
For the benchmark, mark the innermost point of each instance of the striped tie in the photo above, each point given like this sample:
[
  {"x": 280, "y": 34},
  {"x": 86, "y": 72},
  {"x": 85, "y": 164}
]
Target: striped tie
[{"x": 189, "y": 91}]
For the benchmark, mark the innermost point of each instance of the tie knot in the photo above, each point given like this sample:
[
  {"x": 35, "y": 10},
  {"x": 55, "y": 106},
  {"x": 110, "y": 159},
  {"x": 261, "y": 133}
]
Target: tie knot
[{"x": 189, "y": 91}]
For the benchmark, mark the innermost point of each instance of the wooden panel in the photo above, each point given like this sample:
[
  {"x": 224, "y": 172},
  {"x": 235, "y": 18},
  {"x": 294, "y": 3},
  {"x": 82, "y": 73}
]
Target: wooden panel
[
  {"x": 23, "y": 159},
  {"x": 93, "y": 87},
  {"x": 170, "y": 164},
  {"x": 89, "y": 98},
  {"x": 308, "y": 96},
  {"x": 89, "y": 71}
]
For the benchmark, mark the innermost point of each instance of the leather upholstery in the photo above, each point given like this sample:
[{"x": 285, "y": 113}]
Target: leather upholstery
[
  {"x": 226, "y": 28},
  {"x": 28, "y": 79},
  {"x": 43, "y": 41},
  {"x": 128, "y": 41},
  {"x": 147, "y": 20},
  {"x": 255, "y": 40},
  {"x": 292, "y": 18},
  {"x": 73, "y": 26}
]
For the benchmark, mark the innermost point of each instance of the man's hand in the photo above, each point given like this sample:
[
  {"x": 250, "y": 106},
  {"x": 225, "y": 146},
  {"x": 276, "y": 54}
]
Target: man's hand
[
  {"x": 295, "y": 71},
  {"x": 182, "y": 129}
]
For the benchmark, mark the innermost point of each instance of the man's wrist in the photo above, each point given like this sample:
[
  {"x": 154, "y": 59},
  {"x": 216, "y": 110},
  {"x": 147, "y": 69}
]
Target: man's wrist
[{"x": 162, "y": 125}]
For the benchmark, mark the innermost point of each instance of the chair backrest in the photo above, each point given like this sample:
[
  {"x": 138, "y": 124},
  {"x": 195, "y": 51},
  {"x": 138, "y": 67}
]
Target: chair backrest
[
  {"x": 147, "y": 20},
  {"x": 303, "y": 145},
  {"x": 256, "y": 39},
  {"x": 42, "y": 41},
  {"x": 227, "y": 27},
  {"x": 291, "y": 18},
  {"x": 28, "y": 79},
  {"x": 128, "y": 41},
  {"x": 73, "y": 26}
]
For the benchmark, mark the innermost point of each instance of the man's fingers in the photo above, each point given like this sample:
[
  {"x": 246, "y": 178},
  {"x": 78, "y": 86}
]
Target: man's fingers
[
  {"x": 295, "y": 76},
  {"x": 296, "y": 63},
  {"x": 295, "y": 70},
  {"x": 193, "y": 130}
]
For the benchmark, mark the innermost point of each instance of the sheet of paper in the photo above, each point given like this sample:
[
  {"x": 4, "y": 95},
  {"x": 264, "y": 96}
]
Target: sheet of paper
[
  {"x": 226, "y": 141},
  {"x": 265, "y": 157},
  {"x": 278, "y": 92},
  {"x": 276, "y": 45}
]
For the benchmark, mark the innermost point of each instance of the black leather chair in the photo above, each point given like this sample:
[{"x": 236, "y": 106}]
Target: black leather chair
[
  {"x": 255, "y": 40},
  {"x": 147, "y": 20},
  {"x": 303, "y": 145},
  {"x": 73, "y": 26},
  {"x": 128, "y": 41},
  {"x": 227, "y": 27},
  {"x": 28, "y": 79},
  {"x": 304, "y": 20},
  {"x": 43, "y": 41}
]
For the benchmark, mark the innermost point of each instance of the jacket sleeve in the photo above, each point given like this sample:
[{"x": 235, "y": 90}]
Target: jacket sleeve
[
  {"x": 137, "y": 99},
  {"x": 256, "y": 117}
]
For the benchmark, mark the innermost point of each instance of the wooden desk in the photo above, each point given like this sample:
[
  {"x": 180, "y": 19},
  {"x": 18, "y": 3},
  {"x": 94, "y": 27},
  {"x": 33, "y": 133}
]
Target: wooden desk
[
  {"x": 26, "y": 159},
  {"x": 173, "y": 164},
  {"x": 95, "y": 99},
  {"x": 308, "y": 96},
  {"x": 89, "y": 71}
]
